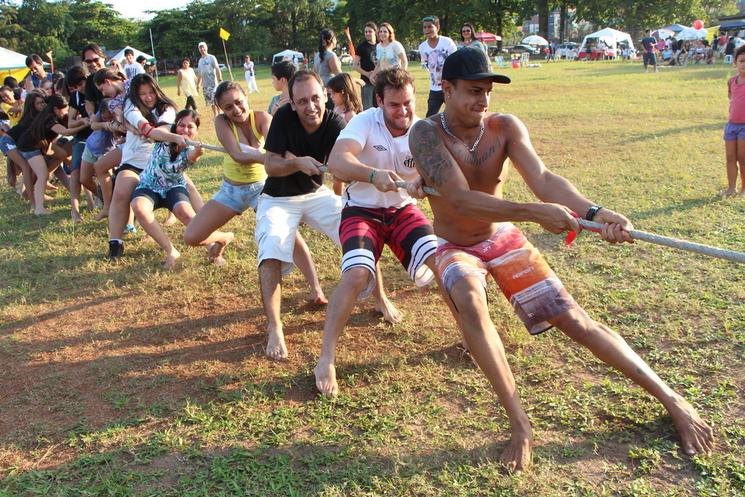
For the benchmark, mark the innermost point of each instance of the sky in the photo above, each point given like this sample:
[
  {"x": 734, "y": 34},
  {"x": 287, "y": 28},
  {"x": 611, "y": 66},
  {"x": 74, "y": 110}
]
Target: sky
[{"x": 136, "y": 8}]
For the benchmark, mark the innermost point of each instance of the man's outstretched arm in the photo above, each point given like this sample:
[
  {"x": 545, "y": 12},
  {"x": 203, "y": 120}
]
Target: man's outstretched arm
[{"x": 551, "y": 187}]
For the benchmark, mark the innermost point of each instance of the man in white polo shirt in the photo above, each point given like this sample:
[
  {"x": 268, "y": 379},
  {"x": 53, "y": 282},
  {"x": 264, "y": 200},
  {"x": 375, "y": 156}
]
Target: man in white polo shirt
[{"x": 372, "y": 154}]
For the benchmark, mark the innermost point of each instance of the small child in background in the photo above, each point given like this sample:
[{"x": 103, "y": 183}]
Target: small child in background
[
  {"x": 347, "y": 104},
  {"x": 282, "y": 72},
  {"x": 344, "y": 93},
  {"x": 734, "y": 131}
]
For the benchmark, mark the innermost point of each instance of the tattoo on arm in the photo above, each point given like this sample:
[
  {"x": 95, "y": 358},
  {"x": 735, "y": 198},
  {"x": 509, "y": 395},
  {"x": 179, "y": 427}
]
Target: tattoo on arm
[{"x": 430, "y": 153}]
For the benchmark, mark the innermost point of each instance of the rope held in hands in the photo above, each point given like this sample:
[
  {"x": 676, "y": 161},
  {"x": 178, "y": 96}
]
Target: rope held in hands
[{"x": 676, "y": 243}]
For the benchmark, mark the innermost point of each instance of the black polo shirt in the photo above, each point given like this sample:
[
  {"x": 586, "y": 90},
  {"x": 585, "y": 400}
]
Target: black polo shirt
[{"x": 286, "y": 134}]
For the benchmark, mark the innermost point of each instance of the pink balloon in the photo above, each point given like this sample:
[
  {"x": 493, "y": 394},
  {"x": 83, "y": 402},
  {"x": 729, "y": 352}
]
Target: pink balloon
[{"x": 698, "y": 24}]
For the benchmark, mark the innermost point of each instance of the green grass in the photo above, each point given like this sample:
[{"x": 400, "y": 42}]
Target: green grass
[{"x": 125, "y": 380}]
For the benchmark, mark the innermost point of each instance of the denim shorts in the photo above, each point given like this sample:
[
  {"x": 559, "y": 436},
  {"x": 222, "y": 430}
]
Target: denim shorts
[
  {"x": 78, "y": 147},
  {"x": 89, "y": 156},
  {"x": 30, "y": 153},
  {"x": 174, "y": 196},
  {"x": 239, "y": 197},
  {"x": 6, "y": 144},
  {"x": 734, "y": 131}
]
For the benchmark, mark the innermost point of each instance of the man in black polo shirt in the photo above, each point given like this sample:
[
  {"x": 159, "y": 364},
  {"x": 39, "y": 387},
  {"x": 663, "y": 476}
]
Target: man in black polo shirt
[
  {"x": 299, "y": 141},
  {"x": 364, "y": 63}
]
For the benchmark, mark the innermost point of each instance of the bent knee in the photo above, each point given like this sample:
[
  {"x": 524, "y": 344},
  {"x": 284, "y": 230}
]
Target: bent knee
[
  {"x": 468, "y": 294},
  {"x": 357, "y": 277}
]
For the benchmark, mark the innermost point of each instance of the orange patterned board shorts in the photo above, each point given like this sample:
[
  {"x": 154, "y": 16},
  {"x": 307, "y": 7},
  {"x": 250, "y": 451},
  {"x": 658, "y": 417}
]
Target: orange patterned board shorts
[{"x": 526, "y": 280}]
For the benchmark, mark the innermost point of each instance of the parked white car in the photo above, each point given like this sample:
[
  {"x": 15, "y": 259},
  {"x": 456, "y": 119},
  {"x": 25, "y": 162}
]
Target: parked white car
[{"x": 567, "y": 50}]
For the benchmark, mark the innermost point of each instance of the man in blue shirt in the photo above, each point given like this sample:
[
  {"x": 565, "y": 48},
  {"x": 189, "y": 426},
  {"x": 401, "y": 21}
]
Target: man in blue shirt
[
  {"x": 37, "y": 75},
  {"x": 649, "y": 57}
]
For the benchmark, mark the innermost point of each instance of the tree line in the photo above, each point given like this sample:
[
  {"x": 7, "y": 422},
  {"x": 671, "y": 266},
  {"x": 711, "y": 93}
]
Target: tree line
[{"x": 262, "y": 27}]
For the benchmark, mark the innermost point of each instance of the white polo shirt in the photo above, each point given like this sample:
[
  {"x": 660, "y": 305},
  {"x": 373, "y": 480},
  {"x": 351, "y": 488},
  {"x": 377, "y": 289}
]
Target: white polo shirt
[{"x": 381, "y": 151}]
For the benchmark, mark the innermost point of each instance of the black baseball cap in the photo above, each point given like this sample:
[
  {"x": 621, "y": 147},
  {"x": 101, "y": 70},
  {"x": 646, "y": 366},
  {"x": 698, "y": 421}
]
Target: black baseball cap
[{"x": 470, "y": 64}]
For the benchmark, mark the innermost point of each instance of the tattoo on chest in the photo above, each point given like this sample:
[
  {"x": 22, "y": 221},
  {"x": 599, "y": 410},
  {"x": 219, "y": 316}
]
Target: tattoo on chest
[{"x": 476, "y": 159}]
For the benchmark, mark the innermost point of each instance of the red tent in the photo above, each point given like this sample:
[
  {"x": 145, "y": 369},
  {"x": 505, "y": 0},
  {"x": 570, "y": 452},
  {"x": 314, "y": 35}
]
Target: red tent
[{"x": 485, "y": 37}]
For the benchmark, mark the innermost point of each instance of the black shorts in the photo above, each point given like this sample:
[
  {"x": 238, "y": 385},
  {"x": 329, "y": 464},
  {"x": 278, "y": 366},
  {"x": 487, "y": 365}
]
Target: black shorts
[{"x": 173, "y": 196}]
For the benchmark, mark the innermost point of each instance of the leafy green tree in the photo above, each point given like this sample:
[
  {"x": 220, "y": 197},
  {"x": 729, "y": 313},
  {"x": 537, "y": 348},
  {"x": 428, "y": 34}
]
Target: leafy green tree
[{"x": 98, "y": 22}]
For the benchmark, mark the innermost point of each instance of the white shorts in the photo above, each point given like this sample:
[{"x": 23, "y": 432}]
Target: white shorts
[{"x": 277, "y": 219}]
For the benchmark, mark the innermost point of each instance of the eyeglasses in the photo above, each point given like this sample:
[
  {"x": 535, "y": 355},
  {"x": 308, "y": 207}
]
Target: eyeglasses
[{"x": 92, "y": 61}]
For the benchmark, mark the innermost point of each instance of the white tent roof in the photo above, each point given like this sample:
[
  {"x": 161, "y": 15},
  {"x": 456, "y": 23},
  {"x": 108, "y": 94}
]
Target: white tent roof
[
  {"x": 289, "y": 54},
  {"x": 11, "y": 60},
  {"x": 611, "y": 37},
  {"x": 120, "y": 54}
]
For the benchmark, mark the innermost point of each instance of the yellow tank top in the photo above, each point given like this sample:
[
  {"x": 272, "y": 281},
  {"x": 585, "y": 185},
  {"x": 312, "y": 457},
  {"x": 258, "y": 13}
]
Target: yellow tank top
[{"x": 244, "y": 173}]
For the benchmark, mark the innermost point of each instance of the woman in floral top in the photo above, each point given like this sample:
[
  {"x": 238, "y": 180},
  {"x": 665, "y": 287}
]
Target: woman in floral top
[{"x": 162, "y": 184}]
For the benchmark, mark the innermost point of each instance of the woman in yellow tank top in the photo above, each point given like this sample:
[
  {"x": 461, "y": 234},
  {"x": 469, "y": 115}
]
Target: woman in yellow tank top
[{"x": 241, "y": 132}]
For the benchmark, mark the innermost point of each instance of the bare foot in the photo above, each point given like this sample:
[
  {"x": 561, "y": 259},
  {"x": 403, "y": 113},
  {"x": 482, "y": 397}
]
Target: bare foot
[
  {"x": 217, "y": 249},
  {"x": 47, "y": 198},
  {"x": 76, "y": 218},
  {"x": 518, "y": 455},
  {"x": 729, "y": 192},
  {"x": 389, "y": 311},
  {"x": 326, "y": 378},
  {"x": 170, "y": 220},
  {"x": 171, "y": 259},
  {"x": 102, "y": 215},
  {"x": 696, "y": 436},
  {"x": 275, "y": 346},
  {"x": 50, "y": 187},
  {"x": 317, "y": 297},
  {"x": 742, "y": 192},
  {"x": 43, "y": 212}
]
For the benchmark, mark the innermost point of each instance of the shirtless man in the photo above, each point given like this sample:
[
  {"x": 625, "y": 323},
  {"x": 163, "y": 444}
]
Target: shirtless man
[{"x": 462, "y": 154}]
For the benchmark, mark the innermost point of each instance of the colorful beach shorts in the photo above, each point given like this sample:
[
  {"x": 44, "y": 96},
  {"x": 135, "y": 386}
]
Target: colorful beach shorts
[
  {"x": 526, "y": 280},
  {"x": 364, "y": 232}
]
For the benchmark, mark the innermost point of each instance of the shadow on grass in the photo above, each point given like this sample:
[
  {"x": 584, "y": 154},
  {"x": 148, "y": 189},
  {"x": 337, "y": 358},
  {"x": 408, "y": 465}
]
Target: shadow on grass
[
  {"x": 688, "y": 204},
  {"x": 656, "y": 134},
  {"x": 308, "y": 469}
]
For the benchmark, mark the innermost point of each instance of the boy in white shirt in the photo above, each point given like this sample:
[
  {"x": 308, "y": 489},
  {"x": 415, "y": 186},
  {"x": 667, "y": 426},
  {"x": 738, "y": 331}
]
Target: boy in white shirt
[{"x": 433, "y": 51}]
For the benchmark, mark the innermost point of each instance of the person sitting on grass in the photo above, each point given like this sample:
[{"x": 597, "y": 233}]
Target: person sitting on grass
[
  {"x": 734, "y": 131},
  {"x": 38, "y": 145},
  {"x": 162, "y": 184}
]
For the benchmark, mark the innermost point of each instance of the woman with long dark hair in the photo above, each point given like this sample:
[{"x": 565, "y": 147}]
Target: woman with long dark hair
[
  {"x": 151, "y": 112},
  {"x": 38, "y": 145},
  {"x": 35, "y": 102},
  {"x": 162, "y": 184},
  {"x": 326, "y": 64},
  {"x": 468, "y": 38}
]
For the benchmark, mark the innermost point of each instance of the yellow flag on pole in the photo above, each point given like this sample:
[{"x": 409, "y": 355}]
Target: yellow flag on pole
[{"x": 224, "y": 34}]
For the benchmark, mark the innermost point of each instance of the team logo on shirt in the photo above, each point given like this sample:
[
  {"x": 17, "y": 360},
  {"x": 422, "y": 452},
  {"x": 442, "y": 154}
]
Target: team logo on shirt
[
  {"x": 409, "y": 162},
  {"x": 380, "y": 148}
]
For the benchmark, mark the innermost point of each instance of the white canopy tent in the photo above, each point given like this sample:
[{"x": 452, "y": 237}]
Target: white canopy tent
[
  {"x": 120, "y": 54},
  {"x": 291, "y": 55},
  {"x": 689, "y": 34},
  {"x": 611, "y": 37}
]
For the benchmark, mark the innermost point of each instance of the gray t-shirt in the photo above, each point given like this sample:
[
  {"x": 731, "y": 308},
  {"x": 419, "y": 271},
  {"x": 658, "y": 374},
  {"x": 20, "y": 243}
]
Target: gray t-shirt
[
  {"x": 207, "y": 66},
  {"x": 322, "y": 66}
]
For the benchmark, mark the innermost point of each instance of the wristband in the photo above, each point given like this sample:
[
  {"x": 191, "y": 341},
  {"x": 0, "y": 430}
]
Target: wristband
[
  {"x": 372, "y": 175},
  {"x": 145, "y": 129},
  {"x": 591, "y": 212}
]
